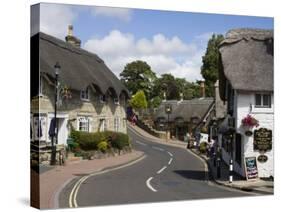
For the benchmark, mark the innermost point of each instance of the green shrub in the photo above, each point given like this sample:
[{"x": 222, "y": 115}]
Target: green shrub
[
  {"x": 102, "y": 146},
  {"x": 121, "y": 141},
  {"x": 75, "y": 135},
  {"x": 203, "y": 147},
  {"x": 90, "y": 141}
]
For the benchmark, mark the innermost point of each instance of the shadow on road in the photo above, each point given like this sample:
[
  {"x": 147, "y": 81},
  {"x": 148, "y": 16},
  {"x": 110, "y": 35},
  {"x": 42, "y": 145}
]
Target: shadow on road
[{"x": 192, "y": 174}]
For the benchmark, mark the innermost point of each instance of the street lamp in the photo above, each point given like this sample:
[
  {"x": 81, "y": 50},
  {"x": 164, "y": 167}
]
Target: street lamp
[
  {"x": 168, "y": 110},
  {"x": 53, "y": 154}
]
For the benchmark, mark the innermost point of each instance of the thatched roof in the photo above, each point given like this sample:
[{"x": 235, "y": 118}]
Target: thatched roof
[
  {"x": 185, "y": 109},
  {"x": 79, "y": 68},
  {"x": 246, "y": 60}
]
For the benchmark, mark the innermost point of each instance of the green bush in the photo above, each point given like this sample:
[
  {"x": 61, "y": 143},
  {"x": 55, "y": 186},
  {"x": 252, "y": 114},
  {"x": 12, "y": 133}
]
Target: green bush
[
  {"x": 102, "y": 146},
  {"x": 90, "y": 141},
  {"x": 203, "y": 147},
  {"x": 121, "y": 141}
]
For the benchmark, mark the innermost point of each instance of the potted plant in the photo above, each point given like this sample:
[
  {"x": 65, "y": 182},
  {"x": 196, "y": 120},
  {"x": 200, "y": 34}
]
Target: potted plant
[{"x": 248, "y": 123}]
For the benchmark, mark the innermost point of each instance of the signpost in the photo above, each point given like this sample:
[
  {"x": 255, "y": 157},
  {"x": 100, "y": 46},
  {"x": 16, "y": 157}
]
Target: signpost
[
  {"x": 251, "y": 168},
  {"x": 263, "y": 139}
]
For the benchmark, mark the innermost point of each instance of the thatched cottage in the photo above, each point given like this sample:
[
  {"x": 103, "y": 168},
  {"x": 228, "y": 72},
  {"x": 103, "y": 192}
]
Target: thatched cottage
[
  {"x": 185, "y": 116},
  {"x": 246, "y": 84},
  {"x": 91, "y": 98}
]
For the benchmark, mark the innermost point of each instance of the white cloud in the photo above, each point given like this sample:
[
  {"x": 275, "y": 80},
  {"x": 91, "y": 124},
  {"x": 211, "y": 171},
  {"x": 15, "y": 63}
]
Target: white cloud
[
  {"x": 123, "y": 14},
  {"x": 164, "y": 55},
  {"x": 54, "y": 19}
]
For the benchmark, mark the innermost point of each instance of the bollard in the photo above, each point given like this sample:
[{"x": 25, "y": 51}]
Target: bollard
[
  {"x": 230, "y": 171},
  {"x": 218, "y": 168},
  {"x": 214, "y": 158}
]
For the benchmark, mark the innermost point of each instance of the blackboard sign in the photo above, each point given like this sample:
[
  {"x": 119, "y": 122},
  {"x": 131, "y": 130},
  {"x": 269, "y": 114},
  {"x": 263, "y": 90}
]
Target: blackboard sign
[
  {"x": 263, "y": 139},
  {"x": 251, "y": 168}
]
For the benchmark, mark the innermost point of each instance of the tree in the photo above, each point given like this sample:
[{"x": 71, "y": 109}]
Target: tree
[
  {"x": 138, "y": 101},
  {"x": 209, "y": 69},
  {"x": 138, "y": 75}
]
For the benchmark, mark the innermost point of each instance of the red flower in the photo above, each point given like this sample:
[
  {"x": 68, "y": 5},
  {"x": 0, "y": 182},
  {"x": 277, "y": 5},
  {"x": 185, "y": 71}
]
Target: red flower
[{"x": 250, "y": 121}]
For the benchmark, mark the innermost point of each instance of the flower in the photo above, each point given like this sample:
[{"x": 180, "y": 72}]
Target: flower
[{"x": 250, "y": 121}]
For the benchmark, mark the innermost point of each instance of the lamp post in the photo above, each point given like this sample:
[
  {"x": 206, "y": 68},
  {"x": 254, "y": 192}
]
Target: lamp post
[
  {"x": 168, "y": 110},
  {"x": 53, "y": 155}
]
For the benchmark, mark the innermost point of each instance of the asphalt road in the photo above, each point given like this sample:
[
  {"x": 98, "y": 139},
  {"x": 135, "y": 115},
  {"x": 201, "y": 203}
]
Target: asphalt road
[{"x": 166, "y": 174}]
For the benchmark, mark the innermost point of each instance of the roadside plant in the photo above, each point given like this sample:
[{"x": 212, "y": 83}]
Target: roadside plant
[{"x": 102, "y": 146}]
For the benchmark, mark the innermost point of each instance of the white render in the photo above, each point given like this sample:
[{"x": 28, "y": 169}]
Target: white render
[{"x": 244, "y": 104}]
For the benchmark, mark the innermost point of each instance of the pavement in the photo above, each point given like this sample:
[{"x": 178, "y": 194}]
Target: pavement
[
  {"x": 53, "y": 180},
  {"x": 259, "y": 186}
]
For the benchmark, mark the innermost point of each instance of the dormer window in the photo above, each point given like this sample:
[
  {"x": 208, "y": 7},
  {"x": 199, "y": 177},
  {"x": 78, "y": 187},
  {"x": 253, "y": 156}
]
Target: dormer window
[
  {"x": 102, "y": 99},
  {"x": 85, "y": 94},
  {"x": 116, "y": 101}
]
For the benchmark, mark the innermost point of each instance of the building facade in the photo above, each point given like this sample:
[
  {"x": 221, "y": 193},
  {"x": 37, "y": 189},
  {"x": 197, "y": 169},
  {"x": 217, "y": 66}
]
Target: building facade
[
  {"x": 246, "y": 85},
  {"x": 90, "y": 96}
]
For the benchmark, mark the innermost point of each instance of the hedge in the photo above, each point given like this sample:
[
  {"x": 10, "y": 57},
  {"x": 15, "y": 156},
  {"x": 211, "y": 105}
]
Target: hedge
[{"x": 90, "y": 141}]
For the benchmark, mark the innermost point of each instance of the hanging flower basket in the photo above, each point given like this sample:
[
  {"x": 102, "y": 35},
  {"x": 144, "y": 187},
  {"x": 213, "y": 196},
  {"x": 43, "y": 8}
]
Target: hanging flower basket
[{"x": 248, "y": 123}]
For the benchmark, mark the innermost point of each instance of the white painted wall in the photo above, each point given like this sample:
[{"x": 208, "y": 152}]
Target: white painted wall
[{"x": 245, "y": 105}]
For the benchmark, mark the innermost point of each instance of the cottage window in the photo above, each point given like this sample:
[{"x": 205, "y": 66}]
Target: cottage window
[
  {"x": 103, "y": 125},
  {"x": 85, "y": 94},
  {"x": 116, "y": 124},
  {"x": 263, "y": 100},
  {"x": 102, "y": 98},
  {"x": 116, "y": 101},
  {"x": 84, "y": 124}
]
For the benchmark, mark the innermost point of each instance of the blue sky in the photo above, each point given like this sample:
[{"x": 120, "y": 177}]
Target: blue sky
[{"x": 171, "y": 42}]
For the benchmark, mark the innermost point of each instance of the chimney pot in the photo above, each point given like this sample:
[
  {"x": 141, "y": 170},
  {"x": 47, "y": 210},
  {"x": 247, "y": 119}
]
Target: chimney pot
[
  {"x": 70, "y": 30},
  {"x": 70, "y": 38},
  {"x": 202, "y": 89}
]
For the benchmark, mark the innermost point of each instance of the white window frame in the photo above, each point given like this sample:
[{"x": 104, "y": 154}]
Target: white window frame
[
  {"x": 102, "y": 98},
  {"x": 103, "y": 125},
  {"x": 262, "y": 104},
  {"x": 86, "y": 120},
  {"x": 85, "y": 94},
  {"x": 116, "y": 101},
  {"x": 116, "y": 124}
]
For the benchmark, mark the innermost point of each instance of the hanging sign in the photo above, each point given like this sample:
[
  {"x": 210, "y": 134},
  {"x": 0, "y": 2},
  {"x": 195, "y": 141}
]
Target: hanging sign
[{"x": 263, "y": 139}]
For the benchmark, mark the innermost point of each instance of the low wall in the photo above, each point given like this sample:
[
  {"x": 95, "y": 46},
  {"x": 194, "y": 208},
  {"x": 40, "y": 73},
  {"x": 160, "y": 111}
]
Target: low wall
[{"x": 158, "y": 134}]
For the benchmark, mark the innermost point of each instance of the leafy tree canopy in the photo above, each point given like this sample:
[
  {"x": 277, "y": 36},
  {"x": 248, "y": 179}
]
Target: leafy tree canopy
[
  {"x": 209, "y": 69},
  {"x": 138, "y": 75},
  {"x": 138, "y": 100}
]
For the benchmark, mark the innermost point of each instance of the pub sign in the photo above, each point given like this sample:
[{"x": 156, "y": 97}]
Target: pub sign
[{"x": 263, "y": 139}]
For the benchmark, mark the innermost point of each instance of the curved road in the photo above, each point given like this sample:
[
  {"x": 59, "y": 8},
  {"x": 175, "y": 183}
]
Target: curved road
[{"x": 166, "y": 174}]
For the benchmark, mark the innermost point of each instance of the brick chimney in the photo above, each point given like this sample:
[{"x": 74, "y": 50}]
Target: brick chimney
[
  {"x": 70, "y": 38},
  {"x": 202, "y": 89}
]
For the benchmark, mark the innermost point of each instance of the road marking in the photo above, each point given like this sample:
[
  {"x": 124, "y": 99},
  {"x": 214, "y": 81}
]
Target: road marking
[
  {"x": 170, "y": 161},
  {"x": 161, "y": 169},
  {"x": 73, "y": 194},
  {"x": 157, "y": 148},
  {"x": 170, "y": 154},
  {"x": 141, "y": 143},
  {"x": 149, "y": 186}
]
